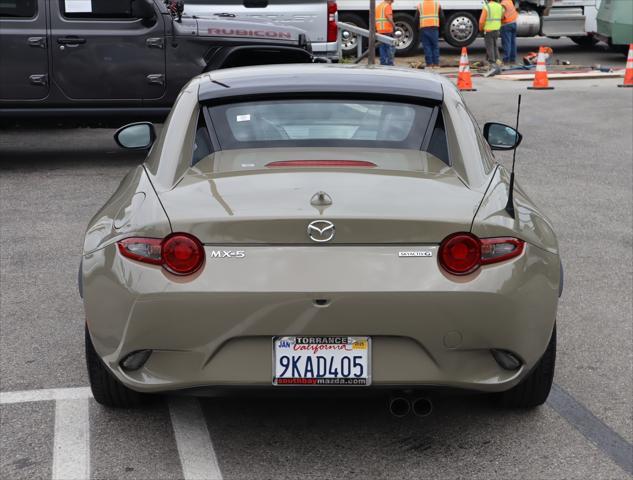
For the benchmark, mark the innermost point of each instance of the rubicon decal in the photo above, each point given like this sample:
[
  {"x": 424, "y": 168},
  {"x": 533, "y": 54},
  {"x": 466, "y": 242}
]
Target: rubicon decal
[{"x": 235, "y": 32}]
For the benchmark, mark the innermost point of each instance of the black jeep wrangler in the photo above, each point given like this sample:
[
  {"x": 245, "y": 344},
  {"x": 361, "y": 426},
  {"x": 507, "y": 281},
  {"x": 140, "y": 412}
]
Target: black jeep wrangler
[{"x": 121, "y": 58}]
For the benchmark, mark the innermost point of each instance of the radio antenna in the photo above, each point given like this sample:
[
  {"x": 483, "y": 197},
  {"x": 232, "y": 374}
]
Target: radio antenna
[{"x": 510, "y": 204}]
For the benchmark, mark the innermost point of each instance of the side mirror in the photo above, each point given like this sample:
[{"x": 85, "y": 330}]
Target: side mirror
[
  {"x": 136, "y": 136},
  {"x": 502, "y": 137}
]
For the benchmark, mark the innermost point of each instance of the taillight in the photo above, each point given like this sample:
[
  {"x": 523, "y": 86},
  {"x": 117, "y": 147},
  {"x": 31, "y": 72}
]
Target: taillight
[
  {"x": 178, "y": 253},
  {"x": 320, "y": 163},
  {"x": 463, "y": 253},
  {"x": 332, "y": 29}
]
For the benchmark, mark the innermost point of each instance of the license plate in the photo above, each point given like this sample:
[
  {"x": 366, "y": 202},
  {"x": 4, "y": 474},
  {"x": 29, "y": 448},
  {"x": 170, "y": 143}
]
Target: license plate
[{"x": 321, "y": 361}]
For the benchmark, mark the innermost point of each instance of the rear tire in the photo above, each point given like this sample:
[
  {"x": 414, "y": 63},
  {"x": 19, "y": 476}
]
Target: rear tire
[
  {"x": 350, "y": 45},
  {"x": 409, "y": 41},
  {"x": 461, "y": 29},
  {"x": 105, "y": 388},
  {"x": 535, "y": 388}
]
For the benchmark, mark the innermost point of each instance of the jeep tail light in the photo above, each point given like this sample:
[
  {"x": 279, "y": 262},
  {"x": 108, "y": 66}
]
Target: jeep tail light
[
  {"x": 463, "y": 253},
  {"x": 332, "y": 29},
  {"x": 178, "y": 253}
]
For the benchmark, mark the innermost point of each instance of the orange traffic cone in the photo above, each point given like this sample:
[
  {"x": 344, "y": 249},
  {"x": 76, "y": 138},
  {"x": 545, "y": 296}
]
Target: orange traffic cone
[
  {"x": 628, "y": 73},
  {"x": 540, "y": 77},
  {"x": 464, "y": 82}
]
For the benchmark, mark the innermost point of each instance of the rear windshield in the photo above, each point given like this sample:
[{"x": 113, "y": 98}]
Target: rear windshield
[{"x": 320, "y": 123}]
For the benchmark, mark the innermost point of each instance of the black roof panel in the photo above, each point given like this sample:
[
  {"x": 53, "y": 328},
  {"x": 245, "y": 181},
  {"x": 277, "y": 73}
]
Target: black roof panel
[{"x": 321, "y": 78}]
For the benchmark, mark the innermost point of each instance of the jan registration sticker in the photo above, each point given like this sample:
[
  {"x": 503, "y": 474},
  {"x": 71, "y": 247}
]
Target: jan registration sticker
[{"x": 321, "y": 361}]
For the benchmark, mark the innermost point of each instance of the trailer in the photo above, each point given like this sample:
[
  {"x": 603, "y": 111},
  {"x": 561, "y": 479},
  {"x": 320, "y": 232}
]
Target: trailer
[{"x": 553, "y": 18}]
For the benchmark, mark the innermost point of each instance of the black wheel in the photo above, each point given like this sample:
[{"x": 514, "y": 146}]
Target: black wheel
[
  {"x": 461, "y": 29},
  {"x": 534, "y": 388},
  {"x": 585, "y": 41},
  {"x": 407, "y": 42},
  {"x": 105, "y": 388},
  {"x": 349, "y": 40}
]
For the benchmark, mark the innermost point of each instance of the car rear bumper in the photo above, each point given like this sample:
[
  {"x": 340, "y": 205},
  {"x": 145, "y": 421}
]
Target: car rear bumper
[
  {"x": 215, "y": 329},
  {"x": 325, "y": 49}
]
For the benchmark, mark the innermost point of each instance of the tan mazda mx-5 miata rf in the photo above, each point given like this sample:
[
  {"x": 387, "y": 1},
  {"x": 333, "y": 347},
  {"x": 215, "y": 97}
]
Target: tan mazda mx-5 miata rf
[{"x": 320, "y": 227}]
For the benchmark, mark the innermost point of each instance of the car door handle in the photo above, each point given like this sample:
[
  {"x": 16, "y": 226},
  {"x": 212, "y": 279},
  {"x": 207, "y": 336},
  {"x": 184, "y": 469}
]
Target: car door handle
[
  {"x": 71, "y": 41},
  {"x": 40, "y": 79},
  {"x": 156, "y": 79},
  {"x": 156, "y": 42},
  {"x": 36, "y": 42}
]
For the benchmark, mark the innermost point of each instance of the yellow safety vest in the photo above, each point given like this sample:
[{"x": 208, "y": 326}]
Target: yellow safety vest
[
  {"x": 382, "y": 23},
  {"x": 429, "y": 13},
  {"x": 494, "y": 13}
]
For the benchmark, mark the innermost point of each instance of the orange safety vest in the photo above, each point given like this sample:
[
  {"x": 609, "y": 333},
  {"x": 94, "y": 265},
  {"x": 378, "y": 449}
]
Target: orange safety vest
[
  {"x": 429, "y": 11},
  {"x": 382, "y": 23},
  {"x": 510, "y": 14}
]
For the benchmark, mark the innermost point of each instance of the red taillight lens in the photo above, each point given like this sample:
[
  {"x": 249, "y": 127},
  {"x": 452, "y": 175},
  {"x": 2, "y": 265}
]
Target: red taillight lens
[
  {"x": 332, "y": 29},
  {"x": 178, "y": 253},
  {"x": 182, "y": 254},
  {"x": 463, "y": 253},
  {"x": 460, "y": 253}
]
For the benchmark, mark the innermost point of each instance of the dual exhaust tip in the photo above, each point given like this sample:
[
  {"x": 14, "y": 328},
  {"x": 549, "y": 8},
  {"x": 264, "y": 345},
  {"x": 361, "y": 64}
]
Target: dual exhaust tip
[{"x": 401, "y": 407}]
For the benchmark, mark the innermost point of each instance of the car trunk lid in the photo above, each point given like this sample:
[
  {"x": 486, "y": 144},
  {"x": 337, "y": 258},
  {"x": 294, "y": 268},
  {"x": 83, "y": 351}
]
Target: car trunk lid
[{"x": 230, "y": 198}]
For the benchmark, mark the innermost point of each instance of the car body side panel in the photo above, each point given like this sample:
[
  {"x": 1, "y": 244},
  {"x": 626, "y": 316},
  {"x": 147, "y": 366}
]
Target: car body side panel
[
  {"x": 215, "y": 328},
  {"x": 133, "y": 210},
  {"x": 173, "y": 149},
  {"x": 530, "y": 224},
  {"x": 464, "y": 142}
]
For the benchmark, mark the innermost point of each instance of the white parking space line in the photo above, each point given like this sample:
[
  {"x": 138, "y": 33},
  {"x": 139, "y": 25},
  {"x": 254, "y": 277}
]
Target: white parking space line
[
  {"x": 45, "y": 395},
  {"x": 195, "y": 449},
  {"x": 71, "y": 445}
]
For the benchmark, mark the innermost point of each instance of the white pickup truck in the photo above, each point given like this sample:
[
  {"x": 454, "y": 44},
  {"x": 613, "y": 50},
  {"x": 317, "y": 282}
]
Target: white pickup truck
[
  {"x": 552, "y": 18},
  {"x": 315, "y": 17}
]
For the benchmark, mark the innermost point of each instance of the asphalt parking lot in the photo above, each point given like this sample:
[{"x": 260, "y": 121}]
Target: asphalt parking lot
[{"x": 575, "y": 161}]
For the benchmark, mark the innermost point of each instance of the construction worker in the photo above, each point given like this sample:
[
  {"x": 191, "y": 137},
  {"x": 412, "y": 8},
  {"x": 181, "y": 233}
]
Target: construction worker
[
  {"x": 490, "y": 24},
  {"x": 385, "y": 26},
  {"x": 509, "y": 31},
  {"x": 429, "y": 13}
]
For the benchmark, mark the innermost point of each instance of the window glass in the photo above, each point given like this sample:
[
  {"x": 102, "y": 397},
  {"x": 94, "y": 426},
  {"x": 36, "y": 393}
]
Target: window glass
[
  {"x": 97, "y": 8},
  {"x": 202, "y": 146},
  {"x": 18, "y": 8},
  {"x": 438, "y": 145},
  {"x": 320, "y": 122}
]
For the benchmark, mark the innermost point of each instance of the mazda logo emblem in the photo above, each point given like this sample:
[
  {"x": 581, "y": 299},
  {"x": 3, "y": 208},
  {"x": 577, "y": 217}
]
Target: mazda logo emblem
[{"x": 321, "y": 231}]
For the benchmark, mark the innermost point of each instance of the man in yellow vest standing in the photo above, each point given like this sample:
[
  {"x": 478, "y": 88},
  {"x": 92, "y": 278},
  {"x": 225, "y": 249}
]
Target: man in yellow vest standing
[
  {"x": 429, "y": 14},
  {"x": 509, "y": 31},
  {"x": 385, "y": 26},
  {"x": 490, "y": 24}
]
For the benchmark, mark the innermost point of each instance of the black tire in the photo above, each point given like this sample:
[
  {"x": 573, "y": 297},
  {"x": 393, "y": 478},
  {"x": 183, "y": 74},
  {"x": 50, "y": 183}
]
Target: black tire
[
  {"x": 584, "y": 41},
  {"x": 461, "y": 29},
  {"x": 535, "y": 388},
  {"x": 350, "y": 45},
  {"x": 106, "y": 390},
  {"x": 410, "y": 40}
]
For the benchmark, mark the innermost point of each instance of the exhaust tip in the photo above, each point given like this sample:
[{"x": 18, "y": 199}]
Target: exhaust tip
[
  {"x": 422, "y": 407},
  {"x": 399, "y": 407}
]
